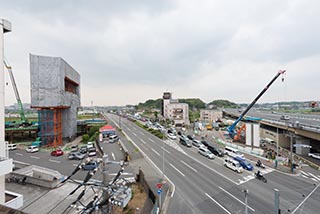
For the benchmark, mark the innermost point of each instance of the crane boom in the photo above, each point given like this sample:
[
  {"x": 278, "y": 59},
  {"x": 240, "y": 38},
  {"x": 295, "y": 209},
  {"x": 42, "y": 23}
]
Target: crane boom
[
  {"x": 15, "y": 89},
  {"x": 231, "y": 128}
]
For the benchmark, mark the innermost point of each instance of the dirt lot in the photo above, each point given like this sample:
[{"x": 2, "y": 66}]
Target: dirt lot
[{"x": 138, "y": 199}]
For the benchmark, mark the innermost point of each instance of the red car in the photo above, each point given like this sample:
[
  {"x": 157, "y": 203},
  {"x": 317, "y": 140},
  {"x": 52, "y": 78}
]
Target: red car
[{"x": 57, "y": 152}]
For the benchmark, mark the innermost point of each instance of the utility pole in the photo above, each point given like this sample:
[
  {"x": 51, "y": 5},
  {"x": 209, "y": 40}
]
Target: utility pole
[
  {"x": 277, "y": 155},
  {"x": 276, "y": 201},
  {"x": 105, "y": 179},
  {"x": 246, "y": 200}
]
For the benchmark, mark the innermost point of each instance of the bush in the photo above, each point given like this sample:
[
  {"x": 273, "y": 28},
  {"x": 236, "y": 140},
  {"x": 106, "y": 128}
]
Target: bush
[
  {"x": 85, "y": 138},
  {"x": 93, "y": 130}
]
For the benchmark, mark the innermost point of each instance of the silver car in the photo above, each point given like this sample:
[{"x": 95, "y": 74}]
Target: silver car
[{"x": 205, "y": 152}]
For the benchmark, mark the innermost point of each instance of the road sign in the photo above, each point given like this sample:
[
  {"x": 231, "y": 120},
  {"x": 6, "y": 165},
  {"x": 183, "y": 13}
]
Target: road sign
[
  {"x": 159, "y": 191},
  {"x": 159, "y": 185}
]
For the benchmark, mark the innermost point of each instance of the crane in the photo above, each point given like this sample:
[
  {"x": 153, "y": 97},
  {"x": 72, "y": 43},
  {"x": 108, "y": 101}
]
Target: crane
[
  {"x": 15, "y": 89},
  {"x": 231, "y": 129}
]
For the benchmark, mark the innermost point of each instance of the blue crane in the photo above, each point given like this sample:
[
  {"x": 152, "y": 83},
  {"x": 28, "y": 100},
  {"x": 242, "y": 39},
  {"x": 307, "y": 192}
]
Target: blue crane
[{"x": 231, "y": 129}]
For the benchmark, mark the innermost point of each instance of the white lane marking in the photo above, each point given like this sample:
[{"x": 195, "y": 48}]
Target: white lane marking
[
  {"x": 141, "y": 133},
  {"x": 314, "y": 176},
  {"x": 227, "y": 211},
  {"x": 114, "y": 158},
  {"x": 124, "y": 173},
  {"x": 304, "y": 176},
  {"x": 151, "y": 140},
  {"x": 34, "y": 157},
  {"x": 129, "y": 129},
  {"x": 55, "y": 161},
  {"x": 190, "y": 167},
  {"x": 165, "y": 150},
  {"x": 177, "y": 170},
  {"x": 236, "y": 198},
  {"x": 314, "y": 179},
  {"x": 75, "y": 164},
  {"x": 134, "y": 134},
  {"x": 19, "y": 154},
  {"x": 155, "y": 152},
  {"x": 144, "y": 142},
  {"x": 304, "y": 173}
]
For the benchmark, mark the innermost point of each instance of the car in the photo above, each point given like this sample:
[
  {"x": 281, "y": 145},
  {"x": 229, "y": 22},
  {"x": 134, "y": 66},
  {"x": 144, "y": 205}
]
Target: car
[
  {"x": 205, "y": 152},
  {"x": 113, "y": 138},
  {"x": 205, "y": 143},
  {"x": 92, "y": 152},
  {"x": 32, "y": 149},
  {"x": 74, "y": 148},
  {"x": 285, "y": 117},
  {"x": 12, "y": 146},
  {"x": 244, "y": 163},
  {"x": 233, "y": 164},
  {"x": 90, "y": 145},
  {"x": 57, "y": 152},
  {"x": 76, "y": 156},
  {"x": 314, "y": 155},
  {"x": 190, "y": 137},
  {"x": 197, "y": 143},
  {"x": 216, "y": 151},
  {"x": 185, "y": 142},
  {"x": 83, "y": 150},
  {"x": 90, "y": 166},
  {"x": 172, "y": 136}
]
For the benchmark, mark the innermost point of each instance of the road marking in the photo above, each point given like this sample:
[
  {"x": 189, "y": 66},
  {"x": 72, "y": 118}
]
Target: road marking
[
  {"x": 314, "y": 179},
  {"x": 189, "y": 166},
  {"x": 129, "y": 129},
  {"x": 304, "y": 176},
  {"x": 177, "y": 170},
  {"x": 141, "y": 133},
  {"x": 19, "y": 154},
  {"x": 144, "y": 142},
  {"x": 151, "y": 140},
  {"x": 314, "y": 176},
  {"x": 165, "y": 150},
  {"x": 155, "y": 152},
  {"x": 227, "y": 211},
  {"x": 134, "y": 134},
  {"x": 114, "y": 158},
  {"x": 55, "y": 161},
  {"x": 75, "y": 164},
  {"x": 34, "y": 157},
  {"x": 304, "y": 173},
  {"x": 236, "y": 198}
]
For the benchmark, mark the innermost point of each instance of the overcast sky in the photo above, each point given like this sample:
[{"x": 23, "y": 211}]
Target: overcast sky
[{"x": 128, "y": 51}]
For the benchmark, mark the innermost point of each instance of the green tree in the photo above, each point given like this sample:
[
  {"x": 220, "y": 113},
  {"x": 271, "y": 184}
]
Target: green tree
[{"x": 85, "y": 138}]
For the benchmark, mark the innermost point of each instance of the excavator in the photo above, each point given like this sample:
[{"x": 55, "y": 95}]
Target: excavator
[
  {"x": 231, "y": 129},
  {"x": 24, "y": 122}
]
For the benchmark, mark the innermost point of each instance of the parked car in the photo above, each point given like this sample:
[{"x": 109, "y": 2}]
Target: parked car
[
  {"x": 205, "y": 143},
  {"x": 90, "y": 145},
  {"x": 113, "y": 138},
  {"x": 244, "y": 163},
  {"x": 185, "y": 142},
  {"x": 233, "y": 164},
  {"x": 205, "y": 152},
  {"x": 314, "y": 155},
  {"x": 216, "y": 151},
  {"x": 190, "y": 137},
  {"x": 57, "y": 152},
  {"x": 32, "y": 149},
  {"x": 83, "y": 150},
  {"x": 172, "y": 136},
  {"x": 92, "y": 152},
  {"x": 74, "y": 148},
  {"x": 76, "y": 156},
  {"x": 197, "y": 143},
  {"x": 90, "y": 166}
]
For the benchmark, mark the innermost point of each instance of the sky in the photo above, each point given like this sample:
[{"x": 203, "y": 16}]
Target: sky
[{"x": 129, "y": 51}]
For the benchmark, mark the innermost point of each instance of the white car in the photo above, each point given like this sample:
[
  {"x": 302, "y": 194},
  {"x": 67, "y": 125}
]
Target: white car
[
  {"x": 205, "y": 152},
  {"x": 314, "y": 155},
  {"x": 32, "y": 149},
  {"x": 172, "y": 136}
]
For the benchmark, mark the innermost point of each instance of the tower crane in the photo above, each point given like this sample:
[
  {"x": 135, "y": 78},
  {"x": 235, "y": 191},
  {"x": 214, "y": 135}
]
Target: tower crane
[
  {"x": 231, "y": 129},
  {"x": 15, "y": 89}
]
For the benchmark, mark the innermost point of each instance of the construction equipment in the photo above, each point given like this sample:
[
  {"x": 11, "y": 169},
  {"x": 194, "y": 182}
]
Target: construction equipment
[
  {"x": 24, "y": 121},
  {"x": 231, "y": 129}
]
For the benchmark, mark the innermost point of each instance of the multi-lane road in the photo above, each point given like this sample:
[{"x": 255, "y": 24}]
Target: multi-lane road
[{"x": 206, "y": 186}]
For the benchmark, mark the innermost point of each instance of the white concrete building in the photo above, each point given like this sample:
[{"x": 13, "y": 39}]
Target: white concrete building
[
  {"x": 209, "y": 115},
  {"x": 173, "y": 110},
  {"x": 5, "y": 162}
]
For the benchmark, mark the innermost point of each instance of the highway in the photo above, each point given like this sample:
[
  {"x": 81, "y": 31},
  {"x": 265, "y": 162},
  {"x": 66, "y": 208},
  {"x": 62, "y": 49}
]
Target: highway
[{"x": 206, "y": 186}]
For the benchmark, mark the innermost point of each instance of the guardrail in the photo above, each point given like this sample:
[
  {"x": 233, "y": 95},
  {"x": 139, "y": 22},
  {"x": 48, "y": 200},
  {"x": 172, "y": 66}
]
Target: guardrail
[{"x": 304, "y": 126}]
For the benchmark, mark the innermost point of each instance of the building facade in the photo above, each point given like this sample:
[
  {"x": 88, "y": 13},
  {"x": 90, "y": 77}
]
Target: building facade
[
  {"x": 209, "y": 115},
  {"x": 173, "y": 110}
]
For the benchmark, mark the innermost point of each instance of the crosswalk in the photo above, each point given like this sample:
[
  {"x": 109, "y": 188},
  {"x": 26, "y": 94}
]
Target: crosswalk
[
  {"x": 250, "y": 177},
  {"x": 174, "y": 145},
  {"x": 309, "y": 175}
]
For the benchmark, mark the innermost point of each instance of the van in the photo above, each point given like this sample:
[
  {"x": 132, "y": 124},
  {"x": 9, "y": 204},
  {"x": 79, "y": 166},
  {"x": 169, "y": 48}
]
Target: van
[
  {"x": 232, "y": 152},
  {"x": 32, "y": 149},
  {"x": 233, "y": 164},
  {"x": 12, "y": 146}
]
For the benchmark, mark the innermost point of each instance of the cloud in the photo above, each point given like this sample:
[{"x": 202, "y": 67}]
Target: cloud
[{"x": 138, "y": 49}]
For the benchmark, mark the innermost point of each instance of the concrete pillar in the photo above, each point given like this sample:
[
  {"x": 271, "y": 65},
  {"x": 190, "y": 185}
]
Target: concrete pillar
[
  {"x": 300, "y": 149},
  {"x": 5, "y": 26}
]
